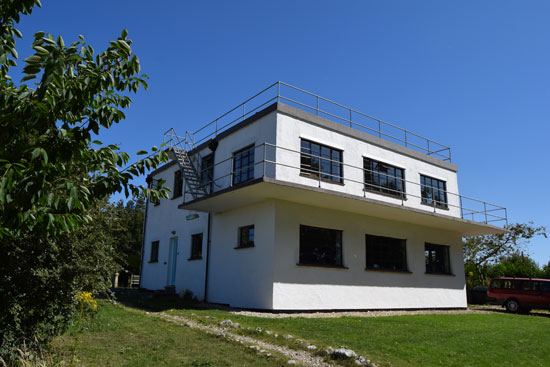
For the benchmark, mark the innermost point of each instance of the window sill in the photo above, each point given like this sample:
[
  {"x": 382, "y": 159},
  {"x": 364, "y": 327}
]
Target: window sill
[
  {"x": 441, "y": 274},
  {"x": 243, "y": 247},
  {"x": 336, "y": 267},
  {"x": 152, "y": 262},
  {"x": 195, "y": 258},
  {"x": 389, "y": 271},
  {"x": 442, "y": 207},
  {"x": 398, "y": 197},
  {"x": 316, "y": 178}
]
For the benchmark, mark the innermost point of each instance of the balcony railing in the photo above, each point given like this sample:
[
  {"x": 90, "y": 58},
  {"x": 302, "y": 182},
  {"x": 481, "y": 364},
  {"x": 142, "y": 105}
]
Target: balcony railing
[
  {"x": 315, "y": 104},
  {"x": 277, "y": 162}
]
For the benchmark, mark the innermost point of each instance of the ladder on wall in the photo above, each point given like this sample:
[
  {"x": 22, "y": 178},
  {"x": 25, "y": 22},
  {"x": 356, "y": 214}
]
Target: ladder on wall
[{"x": 178, "y": 149}]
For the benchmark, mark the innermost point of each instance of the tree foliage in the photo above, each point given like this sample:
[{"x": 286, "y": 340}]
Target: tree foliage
[
  {"x": 54, "y": 177},
  {"x": 480, "y": 252}
]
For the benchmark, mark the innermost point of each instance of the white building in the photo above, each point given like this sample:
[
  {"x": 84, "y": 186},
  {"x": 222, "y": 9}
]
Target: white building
[{"x": 293, "y": 202}]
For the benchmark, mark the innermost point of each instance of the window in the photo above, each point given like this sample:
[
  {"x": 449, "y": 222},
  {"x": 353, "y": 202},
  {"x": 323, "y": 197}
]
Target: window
[
  {"x": 320, "y": 246},
  {"x": 243, "y": 165},
  {"x": 545, "y": 286},
  {"x": 437, "y": 259},
  {"x": 321, "y": 161},
  {"x": 178, "y": 184},
  {"x": 155, "y": 184},
  {"x": 384, "y": 178},
  {"x": 434, "y": 191},
  {"x": 386, "y": 253},
  {"x": 196, "y": 247},
  {"x": 246, "y": 237},
  {"x": 154, "y": 252},
  {"x": 207, "y": 172}
]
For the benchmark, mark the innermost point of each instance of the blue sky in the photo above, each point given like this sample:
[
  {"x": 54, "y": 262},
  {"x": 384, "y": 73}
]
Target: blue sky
[{"x": 472, "y": 75}]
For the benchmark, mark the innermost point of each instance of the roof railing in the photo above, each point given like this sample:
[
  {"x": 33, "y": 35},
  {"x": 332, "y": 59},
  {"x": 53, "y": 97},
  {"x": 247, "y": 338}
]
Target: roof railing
[{"x": 320, "y": 106}]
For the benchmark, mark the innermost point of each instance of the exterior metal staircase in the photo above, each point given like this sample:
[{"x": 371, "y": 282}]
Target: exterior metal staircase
[{"x": 178, "y": 149}]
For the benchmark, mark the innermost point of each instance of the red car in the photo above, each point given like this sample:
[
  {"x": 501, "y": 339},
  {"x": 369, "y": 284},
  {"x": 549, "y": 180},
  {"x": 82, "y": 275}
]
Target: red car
[{"x": 520, "y": 294}]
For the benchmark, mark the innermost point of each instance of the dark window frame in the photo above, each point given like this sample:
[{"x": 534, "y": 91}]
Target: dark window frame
[
  {"x": 245, "y": 173},
  {"x": 154, "y": 254},
  {"x": 196, "y": 246},
  {"x": 246, "y": 237},
  {"x": 154, "y": 185},
  {"x": 314, "y": 159},
  {"x": 207, "y": 172},
  {"x": 177, "y": 189},
  {"x": 380, "y": 251},
  {"x": 377, "y": 181},
  {"x": 314, "y": 253},
  {"x": 431, "y": 260},
  {"x": 427, "y": 192}
]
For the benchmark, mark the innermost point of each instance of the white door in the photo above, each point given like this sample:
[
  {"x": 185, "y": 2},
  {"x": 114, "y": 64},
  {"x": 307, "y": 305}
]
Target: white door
[{"x": 172, "y": 262}]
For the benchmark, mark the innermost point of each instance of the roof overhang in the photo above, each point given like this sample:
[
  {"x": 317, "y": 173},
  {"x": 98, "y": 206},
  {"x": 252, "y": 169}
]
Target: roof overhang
[{"x": 262, "y": 189}]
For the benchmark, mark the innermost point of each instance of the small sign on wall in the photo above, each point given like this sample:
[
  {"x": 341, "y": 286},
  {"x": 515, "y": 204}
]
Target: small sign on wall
[{"x": 191, "y": 216}]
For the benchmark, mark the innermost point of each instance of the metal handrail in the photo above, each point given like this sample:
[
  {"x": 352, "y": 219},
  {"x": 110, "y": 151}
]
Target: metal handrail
[
  {"x": 213, "y": 128},
  {"x": 488, "y": 211}
]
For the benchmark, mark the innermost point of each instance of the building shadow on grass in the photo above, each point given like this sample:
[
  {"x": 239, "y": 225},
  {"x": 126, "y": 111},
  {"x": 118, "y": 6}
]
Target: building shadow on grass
[{"x": 499, "y": 309}]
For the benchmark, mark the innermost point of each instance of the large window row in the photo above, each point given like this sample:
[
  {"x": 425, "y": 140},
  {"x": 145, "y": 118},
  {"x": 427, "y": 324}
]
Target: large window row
[{"x": 323, "y": 247}]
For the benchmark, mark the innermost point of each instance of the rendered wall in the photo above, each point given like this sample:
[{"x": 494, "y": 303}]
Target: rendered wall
[
  {"x": 301, "y": 287},
  {"x": 161, "y": 221},
  {"x": 242, "y": 277},
  {"x": 290, "y": 130}
]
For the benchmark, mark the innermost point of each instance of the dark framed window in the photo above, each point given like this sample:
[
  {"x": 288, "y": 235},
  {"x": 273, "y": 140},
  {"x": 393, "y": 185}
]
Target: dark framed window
[
  {"x": 196, "y": 247},
  {"x": 243, "y": 165},
  {"x": 386, "y": 253},
  {"x": 384, "y": 178},
  {"x": 155, "y": 184},
  {"x": 178, "y": 184},
  {"x": 154, "y": 252},
  {"x": 319, "y": 160},
  {"x": 246, "y": 236},
  {"x": 437, "y": 259},
  {"x": 434, "y": 191},
  {"x": 207, "y": 172},
  {"x": 320, "y": 246}
]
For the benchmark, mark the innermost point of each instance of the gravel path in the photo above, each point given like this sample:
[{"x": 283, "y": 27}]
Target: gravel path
[
  {"x": 336, "y": 314},
  {"x": 300, "y": 357}
]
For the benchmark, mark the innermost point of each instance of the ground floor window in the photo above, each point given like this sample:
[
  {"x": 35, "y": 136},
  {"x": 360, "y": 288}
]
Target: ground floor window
[
  {"x": 385, "y": 253},
  {"x": 246, "y": 236},
  {"x": 154, "y": 252},
  {"x": 196, "y": 247},
  {"x": 320, "y": 246},
  {"x": 437, "y": 259}
]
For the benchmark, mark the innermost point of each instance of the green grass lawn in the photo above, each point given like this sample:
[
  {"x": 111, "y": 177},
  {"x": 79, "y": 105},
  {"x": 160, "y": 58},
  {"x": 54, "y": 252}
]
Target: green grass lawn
[
  {"x": 120, "y": 336},
  {"x": 478, "y": 340}
]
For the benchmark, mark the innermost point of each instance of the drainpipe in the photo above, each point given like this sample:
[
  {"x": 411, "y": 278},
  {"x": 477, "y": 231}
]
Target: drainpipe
[
  {"x": 142, "y": 257},
  {"x": 205, "y": 298}
]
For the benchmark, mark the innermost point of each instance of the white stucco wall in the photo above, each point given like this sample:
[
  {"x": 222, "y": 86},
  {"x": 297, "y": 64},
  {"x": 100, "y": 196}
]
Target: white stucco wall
[
  {"x": 242, "y": 277},
  {"x": 161, "y": 221},
  {"x": 291, "y": 130},
  {"x": 304, "y": 287}
]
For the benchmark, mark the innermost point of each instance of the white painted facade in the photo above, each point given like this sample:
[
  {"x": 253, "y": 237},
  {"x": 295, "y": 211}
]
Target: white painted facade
[{"x": 278, "y": 200}]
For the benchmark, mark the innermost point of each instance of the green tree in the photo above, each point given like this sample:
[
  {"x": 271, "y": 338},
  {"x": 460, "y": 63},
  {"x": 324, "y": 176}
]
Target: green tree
[
  {"x": 482, "y": 251},
  {"x": 54, "y": 177},
  {"x": 515, "y": 265}
]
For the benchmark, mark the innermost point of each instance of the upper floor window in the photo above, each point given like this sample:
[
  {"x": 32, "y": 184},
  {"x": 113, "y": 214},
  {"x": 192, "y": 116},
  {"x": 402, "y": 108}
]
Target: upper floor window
[
  {"x": 385, "y": 253},
  {"x": 320, "y": 246},
  {"x": 196, "y": 247},
  {"x": 178, "y": 184},
  {"x": 243, "y": 165},
  {"x": 321, "y": 161},
  {"x": 207, "y": 172},
  {"x": 384, "y": 178},
  {"x": 246, "y": 236},
  {"x": 154, "y": 252},
  {"x": 437, "y": 259},
  {"x": 434, "y": 191},
  {"x": 155, "y": 185}
]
